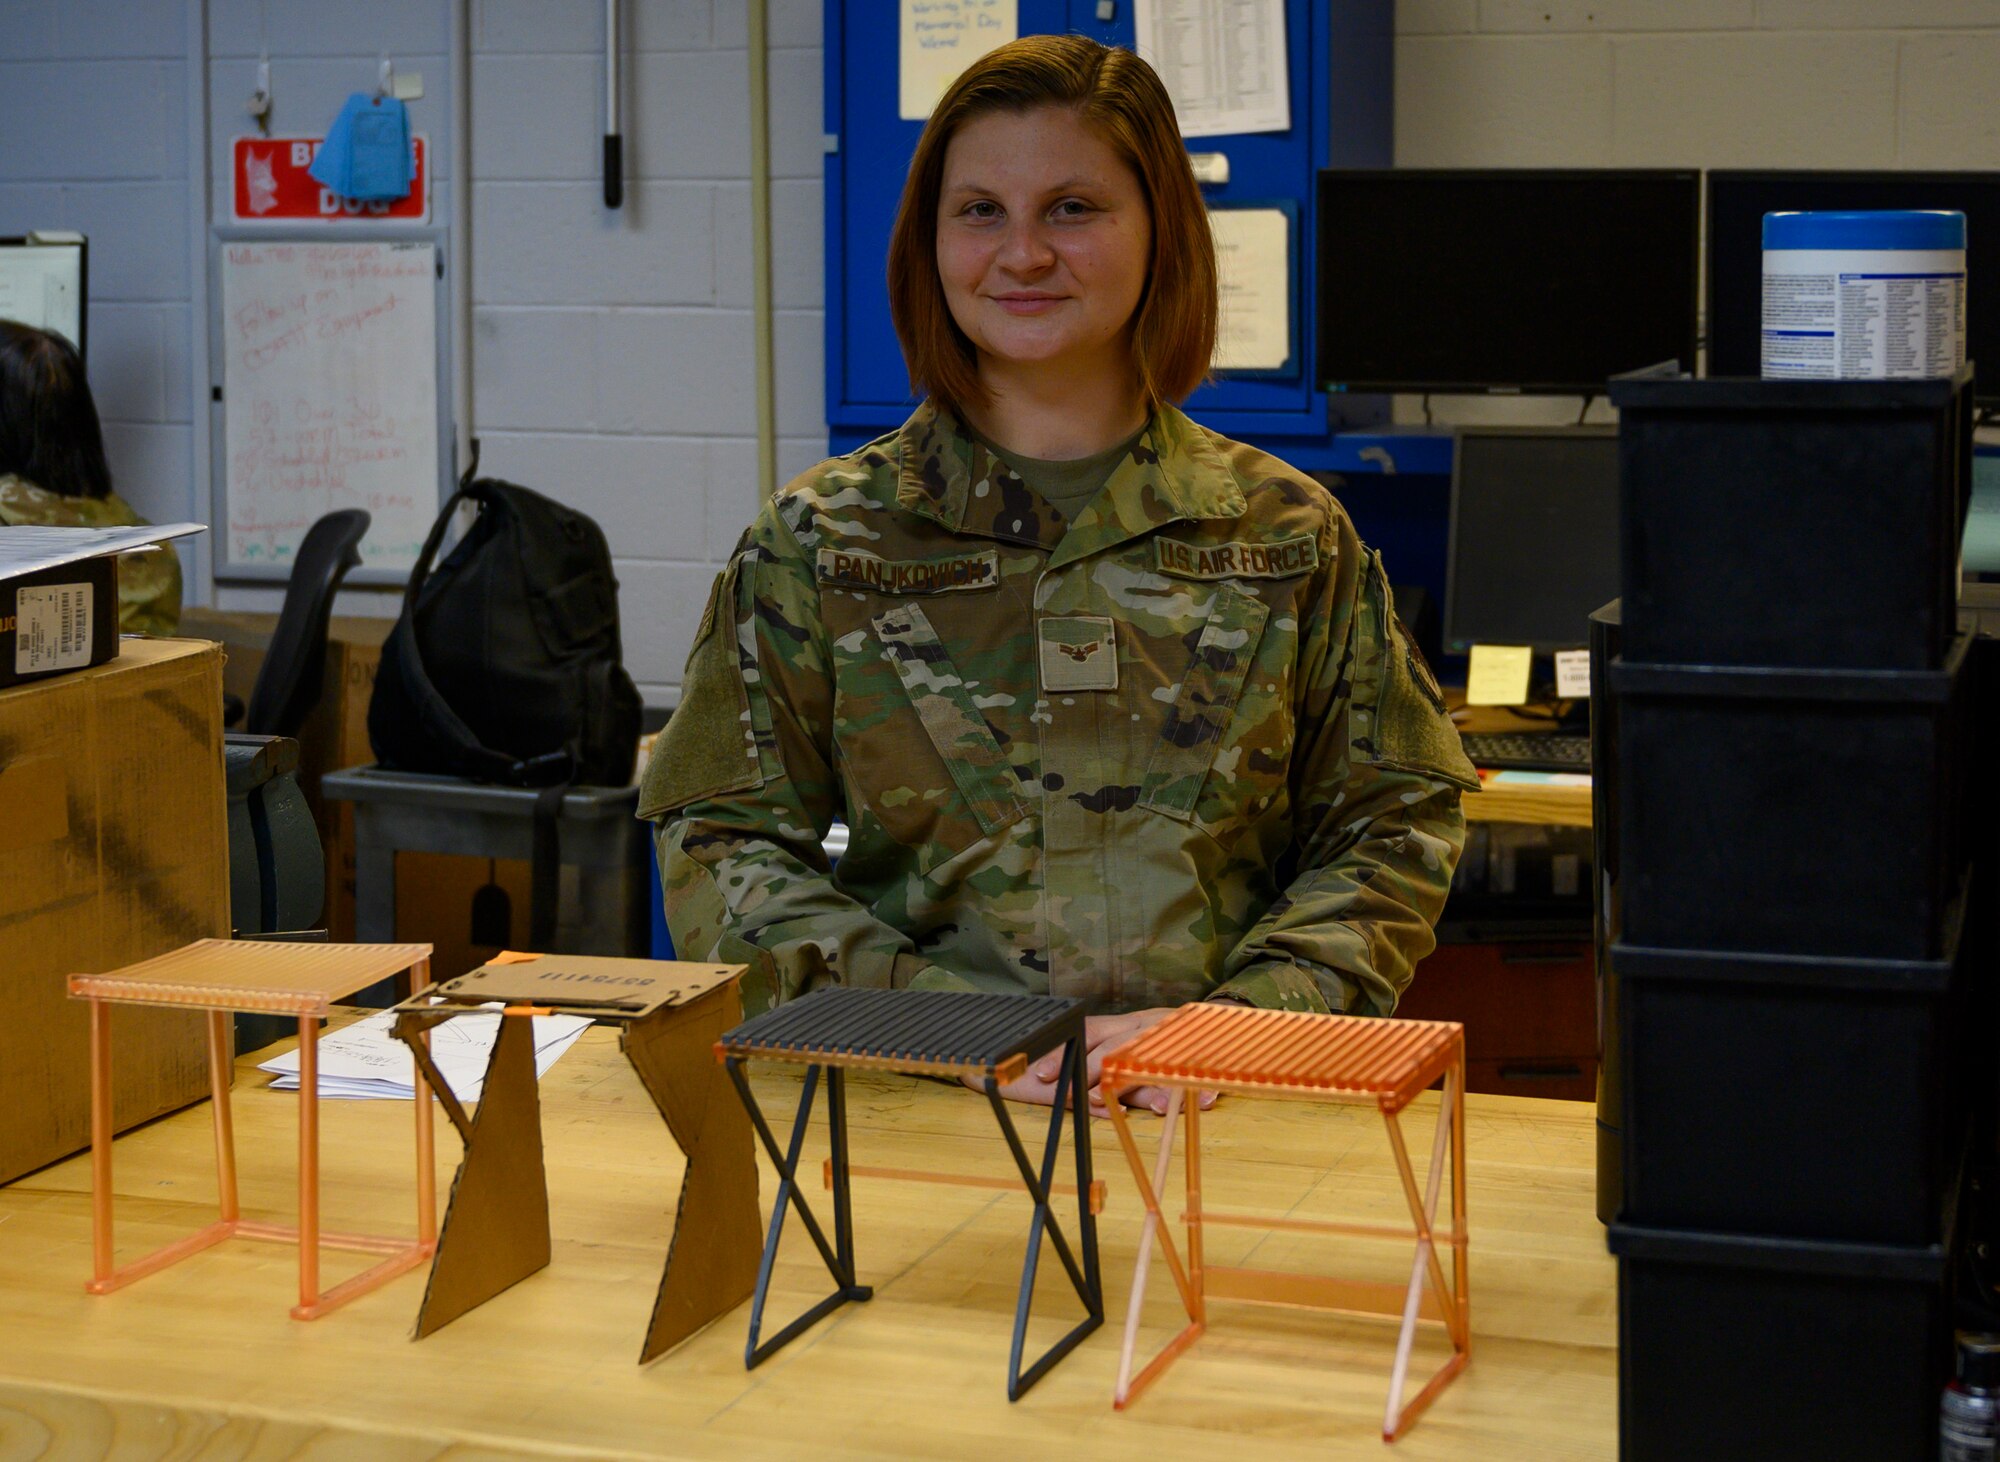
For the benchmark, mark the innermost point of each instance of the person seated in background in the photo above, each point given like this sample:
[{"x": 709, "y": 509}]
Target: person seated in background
[{"x": 53, "y": 473}]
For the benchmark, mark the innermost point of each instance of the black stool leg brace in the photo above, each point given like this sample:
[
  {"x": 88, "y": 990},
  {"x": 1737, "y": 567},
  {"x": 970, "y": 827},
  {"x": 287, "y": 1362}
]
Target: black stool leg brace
[
  {"x": 839, "y": 1256},
  {"x": 1088, "y": 1283}
]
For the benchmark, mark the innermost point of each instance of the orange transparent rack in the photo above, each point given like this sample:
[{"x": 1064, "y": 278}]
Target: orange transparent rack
[
  {"x": 1284, "y": 1053},
  {"x": 222, "y": 976}
]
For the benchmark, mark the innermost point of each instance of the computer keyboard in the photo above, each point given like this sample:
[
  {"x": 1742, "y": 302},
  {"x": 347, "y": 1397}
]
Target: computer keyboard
[{"x": 1528, "y": 751}]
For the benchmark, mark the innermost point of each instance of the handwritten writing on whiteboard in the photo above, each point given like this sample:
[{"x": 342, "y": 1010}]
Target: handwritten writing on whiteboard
[{"x": 329, "y": 395}]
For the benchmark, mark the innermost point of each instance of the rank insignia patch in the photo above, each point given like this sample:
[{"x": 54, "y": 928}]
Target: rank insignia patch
[{"x": 1078, "y": 652}]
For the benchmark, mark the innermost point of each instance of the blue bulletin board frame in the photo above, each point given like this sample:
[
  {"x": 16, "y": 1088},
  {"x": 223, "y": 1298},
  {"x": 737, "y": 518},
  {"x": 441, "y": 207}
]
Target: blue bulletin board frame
[{"x": 1341, "y": 94}]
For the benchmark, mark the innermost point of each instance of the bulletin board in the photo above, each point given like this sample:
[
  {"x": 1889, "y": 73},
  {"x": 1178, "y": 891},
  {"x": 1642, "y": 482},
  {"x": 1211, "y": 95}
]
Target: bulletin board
[
  {"x": 331, "y": 394},
  {"x": 1272, "y": 90}
]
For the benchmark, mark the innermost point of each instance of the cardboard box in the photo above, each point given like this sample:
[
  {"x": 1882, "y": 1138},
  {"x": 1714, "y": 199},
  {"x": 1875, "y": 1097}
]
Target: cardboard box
[
  {"x": 113, "y": 848},
  {"x": 335, "y": 735}
]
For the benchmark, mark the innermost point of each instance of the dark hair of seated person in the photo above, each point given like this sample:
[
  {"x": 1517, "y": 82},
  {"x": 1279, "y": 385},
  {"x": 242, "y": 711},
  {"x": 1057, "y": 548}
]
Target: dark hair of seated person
[{"x": 49, "y": 432}]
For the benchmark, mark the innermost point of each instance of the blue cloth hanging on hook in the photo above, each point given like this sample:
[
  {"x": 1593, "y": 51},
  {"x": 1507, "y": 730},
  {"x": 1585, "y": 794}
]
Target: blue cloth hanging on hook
[{"x": 367, "y": 155}]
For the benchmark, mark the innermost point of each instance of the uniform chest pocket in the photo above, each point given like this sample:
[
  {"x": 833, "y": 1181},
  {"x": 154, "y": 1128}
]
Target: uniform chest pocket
[
  {"x": 1207, "y": 725},
  {"x": 945, "y": 782}
]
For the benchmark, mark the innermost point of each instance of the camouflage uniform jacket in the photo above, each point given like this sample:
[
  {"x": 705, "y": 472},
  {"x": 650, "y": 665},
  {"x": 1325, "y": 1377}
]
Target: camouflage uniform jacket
[
  {"x": 149, "y": 580},
  {"x": 1176, "y": 748}
]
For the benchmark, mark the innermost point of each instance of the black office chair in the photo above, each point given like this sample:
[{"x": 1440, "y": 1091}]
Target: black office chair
[
  {"x": 277, "y": 872},
  {"x": 288, "y": 682}
]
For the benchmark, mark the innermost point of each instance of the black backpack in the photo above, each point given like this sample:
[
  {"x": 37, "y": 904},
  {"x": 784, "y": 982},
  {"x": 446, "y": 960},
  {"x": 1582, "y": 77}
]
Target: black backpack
[{"x": 505, "y": 664}]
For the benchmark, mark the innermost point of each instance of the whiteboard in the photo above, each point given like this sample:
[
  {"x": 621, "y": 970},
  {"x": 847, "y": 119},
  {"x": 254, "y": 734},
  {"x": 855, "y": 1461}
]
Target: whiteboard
[{"x": 329, "y": 397}]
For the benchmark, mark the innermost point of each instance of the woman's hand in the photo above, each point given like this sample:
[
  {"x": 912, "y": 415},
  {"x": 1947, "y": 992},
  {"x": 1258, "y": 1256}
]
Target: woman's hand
[{"x": 1102, "y": 1034}]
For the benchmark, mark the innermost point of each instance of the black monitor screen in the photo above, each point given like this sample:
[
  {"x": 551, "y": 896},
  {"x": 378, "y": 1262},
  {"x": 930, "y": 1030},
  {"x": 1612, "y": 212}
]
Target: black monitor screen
[
  {"x": 1738, "y": 201},
  {"x": 1534, "y": 535},
  {"x": 1517, "y": 280}
]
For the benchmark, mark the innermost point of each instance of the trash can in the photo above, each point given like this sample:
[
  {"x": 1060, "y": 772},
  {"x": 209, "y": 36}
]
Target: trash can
[{"x": 605, "y": 894}]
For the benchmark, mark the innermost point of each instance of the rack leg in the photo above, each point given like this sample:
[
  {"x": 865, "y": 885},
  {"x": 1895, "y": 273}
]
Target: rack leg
[
  {"x": 308, "y": 1162},
  {"x": 427, "y": 1229},
  {"x": 225, "y": 1127},
  {"x": 1197, "y": 1286},
  {"x": 838, "y": 1258},
  {"x": 1039, "y": 1186},
  {"x": 1460, "y": 1261},
  {"x": 100, "y": 1144},
  {"x": 843, "y": 1204},
  {"x": 1153, "y": 1220}
]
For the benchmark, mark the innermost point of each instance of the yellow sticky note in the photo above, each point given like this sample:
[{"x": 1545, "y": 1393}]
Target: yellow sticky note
[{"x": 1498, "y": 675}]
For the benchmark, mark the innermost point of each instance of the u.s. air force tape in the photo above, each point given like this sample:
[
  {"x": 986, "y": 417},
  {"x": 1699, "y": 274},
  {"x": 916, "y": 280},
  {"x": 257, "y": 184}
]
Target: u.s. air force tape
[
  {"x": 845, "y": 569},
  {"x": 1279, "y": 560}
]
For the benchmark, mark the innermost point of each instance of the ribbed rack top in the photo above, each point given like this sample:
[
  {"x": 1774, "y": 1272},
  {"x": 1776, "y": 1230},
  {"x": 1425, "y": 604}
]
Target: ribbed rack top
[
  {"x": 1237, "y": 1046},
  {"x": 939, "y": 1026},
  {"x": 251, "y": 974}
]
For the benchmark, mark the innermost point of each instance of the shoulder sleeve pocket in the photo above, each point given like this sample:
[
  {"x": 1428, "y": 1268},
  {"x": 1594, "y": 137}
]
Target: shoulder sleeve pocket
[
  {"x": 709, "y": 745},
  {"x": 1399, "y": 713}
]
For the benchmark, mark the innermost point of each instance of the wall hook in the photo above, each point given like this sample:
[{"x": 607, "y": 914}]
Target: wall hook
[{"x": 259, "y": 104}]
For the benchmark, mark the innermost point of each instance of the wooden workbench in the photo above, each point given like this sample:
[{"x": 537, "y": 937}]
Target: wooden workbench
[{"x": 201, "y": 1361}]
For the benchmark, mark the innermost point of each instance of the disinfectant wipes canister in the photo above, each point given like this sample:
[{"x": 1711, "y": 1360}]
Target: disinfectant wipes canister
[{"x": 1863, "y": 295}]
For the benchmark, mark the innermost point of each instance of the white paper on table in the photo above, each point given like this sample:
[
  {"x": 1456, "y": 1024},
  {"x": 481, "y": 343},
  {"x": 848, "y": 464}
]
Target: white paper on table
[
  {"x": 28, "y": 547},
  {"x": 365, "y": 1060},
  {"x": 1253, "y": 265},
  {"x": 1223, "y": 62},
  {"x": 939, "y": 39}
]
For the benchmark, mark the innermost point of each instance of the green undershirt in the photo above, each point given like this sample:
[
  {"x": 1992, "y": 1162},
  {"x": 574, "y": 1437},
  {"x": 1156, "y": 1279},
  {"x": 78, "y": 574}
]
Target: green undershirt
[{"x": 1068, "y": 486}]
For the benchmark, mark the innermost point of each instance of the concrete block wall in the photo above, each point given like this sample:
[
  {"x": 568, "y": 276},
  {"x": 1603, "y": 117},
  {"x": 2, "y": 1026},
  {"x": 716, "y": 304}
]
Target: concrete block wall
[
  {"x": 612, "y": 350},
  {"x": 1690, "y": 83},
  {"x": 93, "y": 137},
  {"x": 1707, "y": 83}
]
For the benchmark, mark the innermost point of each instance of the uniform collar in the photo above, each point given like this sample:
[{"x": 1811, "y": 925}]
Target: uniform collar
[{"x": 1173, "y": 473}]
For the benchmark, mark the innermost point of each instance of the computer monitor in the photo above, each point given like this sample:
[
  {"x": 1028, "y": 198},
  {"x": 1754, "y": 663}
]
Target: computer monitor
[
  {"x": 1738, "y": 201},
  {"x": 1504, "y": 280},
  {"x": 1534, "y": 536},
  {"x": 44, "y": 282}
]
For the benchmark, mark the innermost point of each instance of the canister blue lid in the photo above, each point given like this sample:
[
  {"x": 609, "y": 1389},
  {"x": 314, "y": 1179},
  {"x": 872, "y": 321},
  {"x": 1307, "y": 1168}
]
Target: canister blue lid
[{"x": 1883, "y": 229}]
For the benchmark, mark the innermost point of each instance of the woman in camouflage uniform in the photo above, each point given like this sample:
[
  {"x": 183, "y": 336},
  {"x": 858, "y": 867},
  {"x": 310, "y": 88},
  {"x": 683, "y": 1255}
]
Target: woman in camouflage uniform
[
  {"x": 53, "y": 473},
  {"x": 1112, "y": 706}
]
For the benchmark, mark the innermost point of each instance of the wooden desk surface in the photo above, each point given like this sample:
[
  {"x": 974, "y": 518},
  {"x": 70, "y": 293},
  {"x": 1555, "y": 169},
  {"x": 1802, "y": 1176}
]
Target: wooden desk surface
[{"x": 201, "y": 1361}]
